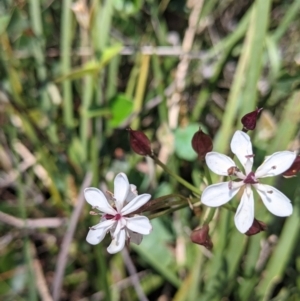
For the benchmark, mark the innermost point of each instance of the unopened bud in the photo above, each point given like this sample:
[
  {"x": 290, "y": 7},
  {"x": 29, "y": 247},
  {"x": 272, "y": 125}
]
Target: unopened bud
[
  {"x": 249, "y": 120},
  {"x": 295, "y": 167},
  {"x": 201, "y": 237},
  {"x": 202, "y": 144},
  {"x": 139, "y": 143},
  {"x": 256, "y": 227}
]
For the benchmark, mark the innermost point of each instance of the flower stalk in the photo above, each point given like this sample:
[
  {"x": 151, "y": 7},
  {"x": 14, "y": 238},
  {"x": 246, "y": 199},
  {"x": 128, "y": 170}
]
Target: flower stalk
[{"x": 174, "y": 175}]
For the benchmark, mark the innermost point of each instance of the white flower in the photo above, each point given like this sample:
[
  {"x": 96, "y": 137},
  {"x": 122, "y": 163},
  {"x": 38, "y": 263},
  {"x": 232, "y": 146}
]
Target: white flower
[
  {"x": 118, "y": 219},
  {"x": 219, "y": 194}
]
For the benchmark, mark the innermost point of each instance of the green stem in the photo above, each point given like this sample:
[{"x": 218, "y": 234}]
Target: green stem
[
  {"x": 39, "y": 48},
  {"x": 140, "y": 89},
  {"x": 211, "y": 211},
  {"x": 207, "y": 174},
  {"x": 66, "y": 42},
  {"x": 171, "y": 210},
  {"x": 210, "y": 215},
  {"x": 175, "y": 176},
  {"x": 102, "y": 272}
]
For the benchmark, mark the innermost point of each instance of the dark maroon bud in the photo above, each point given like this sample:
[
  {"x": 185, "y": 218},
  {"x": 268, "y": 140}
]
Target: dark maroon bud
[
  {"x": 139, "y": 142},
  {"x": 295, "y": 167},
  {"x": 202, "y": 144},
  {"x": 250, "y": 119},
  {"x": 201, "y": 237},
  {"x": 256, "y": 227}
]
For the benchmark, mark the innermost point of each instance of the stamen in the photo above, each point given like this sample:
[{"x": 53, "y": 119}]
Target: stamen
[
  {"x": 251, "y": 179},
  {"x": 232, "y": 170},
  {"x": 230, "y": 185},
  {"x": 110, "y": 195},
  {"x": 94, "y": 213},
  {"x": 250, "y": 156},
  {"x": 270, "y": 191},
  {"x": 274, "y": 167}
]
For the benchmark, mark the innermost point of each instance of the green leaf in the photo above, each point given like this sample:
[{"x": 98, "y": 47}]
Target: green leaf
[
  {"x": 128, "y": 7},
  {"x": 183, "y": 142},
  {"x": 121, "y": 107},
  {"x": 4, "y": 20},
  {"x": 92, "y": 67}
]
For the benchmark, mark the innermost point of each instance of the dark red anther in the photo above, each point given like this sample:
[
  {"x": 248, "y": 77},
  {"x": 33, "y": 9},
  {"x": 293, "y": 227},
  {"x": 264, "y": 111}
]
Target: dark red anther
[
  {"x": 256, "y": 227},
  {"x": 139, "y": 142},
  {"x": 231, "y": 170},
  {"x": 249, "y": 120},
  {"x": 202, "y": 144}
]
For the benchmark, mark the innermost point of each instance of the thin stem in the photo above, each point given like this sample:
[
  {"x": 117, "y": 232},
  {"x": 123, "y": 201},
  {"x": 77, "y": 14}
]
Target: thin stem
[
  {"x": 66, "y": 42},
  {"x": 171, "y": 210},
  {"x": 174, "y": 175},
  {"x": 133, "y": 275},
  {"x": 210, "y": 215},
  {"x": 211, "y": 211},
  {"x": 140, "y": 89},
  {"x": 207, "y": 174}
]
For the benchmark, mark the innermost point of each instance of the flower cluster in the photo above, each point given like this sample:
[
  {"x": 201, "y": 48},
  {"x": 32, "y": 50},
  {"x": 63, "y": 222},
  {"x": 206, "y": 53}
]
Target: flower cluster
[
  {"x": 118, "y": 218},
  {"x": 218, "y": 194},
  {"x": 118, "y": 214}
]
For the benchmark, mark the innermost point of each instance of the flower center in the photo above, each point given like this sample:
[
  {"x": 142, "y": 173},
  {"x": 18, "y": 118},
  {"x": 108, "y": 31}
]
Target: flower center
[
  {"x": 250, "y": 178},
  {"x": 118, "y": 216}
]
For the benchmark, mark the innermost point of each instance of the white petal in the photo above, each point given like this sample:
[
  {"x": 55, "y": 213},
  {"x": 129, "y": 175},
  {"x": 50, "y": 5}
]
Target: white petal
[
  {"x": 98, "y": 232},
  {"x": 97, "y": 199},
  {"x": 245, "y": 212},
  {"x": 275, "y": 201},
  {"x": 107, "y": 223},
  {"x": 118, "y": 242},
  {"x": 131, "y": 194},
  {"x": 219, "y": 163},
  {"x": 136, "y": 203},
  {"x": 135, "y": 237},
  {"x": 119, "y": 226},
  {"x": 276, "y": 164},
  {"x": 218, "y": 194},
  {"x": 121, "y": 189},
  {"x": 139, "y": 224},
  {"x": 241, "y": 146}
]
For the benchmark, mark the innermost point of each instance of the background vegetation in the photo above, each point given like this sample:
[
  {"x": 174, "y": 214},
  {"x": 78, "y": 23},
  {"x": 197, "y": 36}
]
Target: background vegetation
[{"x": 74, "y": 76}]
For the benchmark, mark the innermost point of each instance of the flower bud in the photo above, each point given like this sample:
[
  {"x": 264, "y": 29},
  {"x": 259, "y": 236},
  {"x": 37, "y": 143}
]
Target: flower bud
[
  {"x": 139, "y": 142},
  {"x": 295, "y": 167},
  {"x": 201, "y": 237},
  {"x": 249, "y": 120},
  {"x": 256, "y": 227},
  {"x": 202, "y": 144}
]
